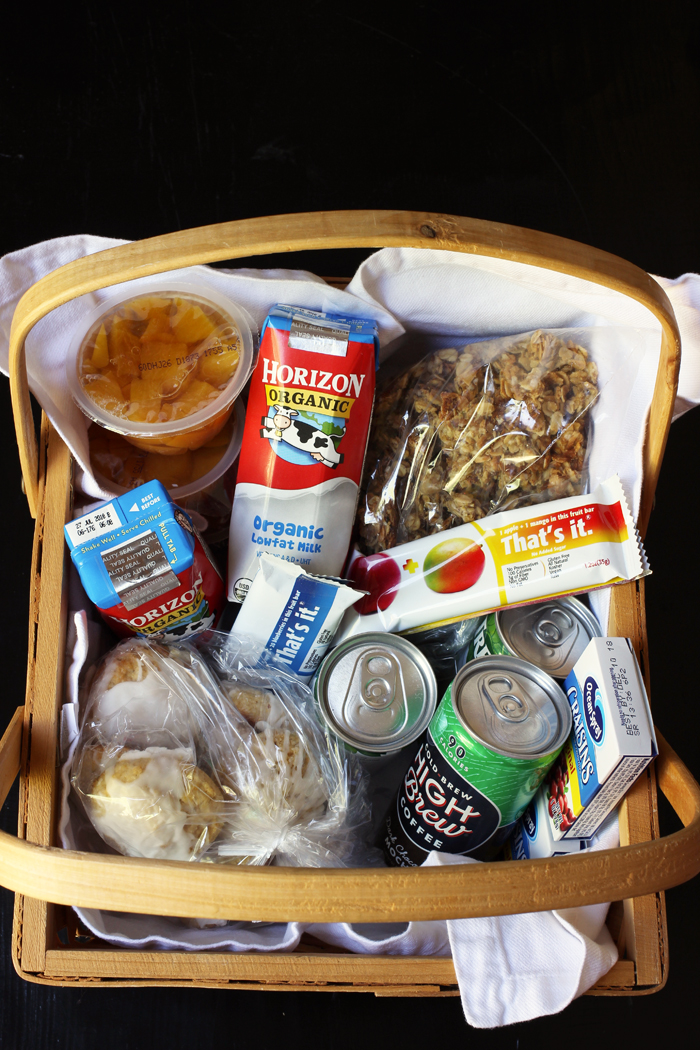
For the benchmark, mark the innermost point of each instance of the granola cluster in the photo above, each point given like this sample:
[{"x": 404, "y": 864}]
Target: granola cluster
[{"x": 464, "y": 433}]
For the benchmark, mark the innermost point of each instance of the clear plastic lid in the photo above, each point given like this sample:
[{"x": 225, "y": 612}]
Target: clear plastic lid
[{"x": 162, "y": 360}]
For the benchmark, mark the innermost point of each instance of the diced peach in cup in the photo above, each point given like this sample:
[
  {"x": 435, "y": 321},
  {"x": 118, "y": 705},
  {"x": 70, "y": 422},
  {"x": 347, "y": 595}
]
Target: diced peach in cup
[
  {"x": 194, "y": 398},
  {"x": 100, "y": 352},
  {"x": 176, "y": 444},
  {"x": 146, "y": 412},
  {"x": 123, "y": 347},
  {"x": 144, "y": 394},
  {"x": 217, "y": 365},
  {"x": 158, "y": 328},
  {"x": 106, "y": 392},
  {"x": 193, "y": 326},
  {"x": 140, "y": 308},
  {"x": 143, "y": 364}
]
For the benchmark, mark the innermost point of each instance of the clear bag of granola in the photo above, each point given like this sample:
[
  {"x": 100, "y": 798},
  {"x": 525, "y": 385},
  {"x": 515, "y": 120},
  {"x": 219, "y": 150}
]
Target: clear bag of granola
[
  {"x": 169, "y": 766},
  {"x": 470, "y": 430}
]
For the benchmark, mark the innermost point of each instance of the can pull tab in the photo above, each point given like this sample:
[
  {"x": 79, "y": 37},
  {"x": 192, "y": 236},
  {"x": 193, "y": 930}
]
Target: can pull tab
[
  {"x": 508, "y": 706},
  {"x": 379, "y": 679},
  {"x": 551, "y": 630}
]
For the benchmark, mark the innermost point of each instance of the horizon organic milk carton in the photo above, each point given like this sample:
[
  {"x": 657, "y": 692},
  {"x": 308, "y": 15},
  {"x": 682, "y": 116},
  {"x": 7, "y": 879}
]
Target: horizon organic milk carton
[
  {"x": 304, "y": 443},
  {"x": 144, "y": 566}
]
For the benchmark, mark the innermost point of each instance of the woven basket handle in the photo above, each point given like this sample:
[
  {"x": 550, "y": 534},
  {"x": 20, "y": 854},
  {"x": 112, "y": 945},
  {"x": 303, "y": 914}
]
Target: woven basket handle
[
  {"x": 91, "y": 880},
  {"x": 344, "y": 229}
]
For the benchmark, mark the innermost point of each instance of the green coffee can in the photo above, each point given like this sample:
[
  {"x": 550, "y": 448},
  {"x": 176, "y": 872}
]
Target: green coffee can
[
  {"x": 490, "y": 743},
  {"x": 550, "y": 634}
]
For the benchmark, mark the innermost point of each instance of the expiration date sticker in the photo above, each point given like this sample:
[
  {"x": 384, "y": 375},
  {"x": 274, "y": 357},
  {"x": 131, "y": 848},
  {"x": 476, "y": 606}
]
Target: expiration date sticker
[
  {"x": 139, "y": 570},
  {"x": 319, "y": 336},
  {"x": 97, "y": 523}
]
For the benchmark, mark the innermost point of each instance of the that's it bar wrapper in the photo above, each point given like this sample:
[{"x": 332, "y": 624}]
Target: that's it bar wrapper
[
  {"x": 291, "y": 614},
  {"x": 512, "y": 558}
]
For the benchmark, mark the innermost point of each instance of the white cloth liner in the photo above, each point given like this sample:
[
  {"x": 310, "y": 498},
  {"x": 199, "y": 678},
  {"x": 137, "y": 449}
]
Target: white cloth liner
[{"x": 509, "y": 968}]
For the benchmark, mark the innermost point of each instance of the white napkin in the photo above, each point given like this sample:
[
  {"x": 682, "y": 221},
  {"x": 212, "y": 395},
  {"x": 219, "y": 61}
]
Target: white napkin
[{"x": 515, "y": 967}]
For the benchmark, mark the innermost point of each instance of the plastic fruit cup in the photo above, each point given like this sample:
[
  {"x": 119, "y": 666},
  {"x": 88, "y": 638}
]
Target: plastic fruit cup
[
  {"x": 163, "y": 365},
  {"x": 118, "y": 466}
]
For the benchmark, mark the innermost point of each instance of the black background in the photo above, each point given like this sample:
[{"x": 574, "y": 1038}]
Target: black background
[{"x": 134, "y": 124}]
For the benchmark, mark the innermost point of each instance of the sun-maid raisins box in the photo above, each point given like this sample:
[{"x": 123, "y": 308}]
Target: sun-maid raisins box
[{"x": 612, "y": 740}]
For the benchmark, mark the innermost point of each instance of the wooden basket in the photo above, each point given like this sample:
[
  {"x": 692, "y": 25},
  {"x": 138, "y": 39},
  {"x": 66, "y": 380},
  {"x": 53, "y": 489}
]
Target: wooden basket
[{"x": 46, "y": 878}]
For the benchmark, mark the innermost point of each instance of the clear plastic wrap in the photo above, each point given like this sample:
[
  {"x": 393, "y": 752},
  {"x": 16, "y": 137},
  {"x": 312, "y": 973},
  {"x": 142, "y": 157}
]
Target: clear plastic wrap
[
  {"x": 469, "y": 431},
  {"x": 177, "y": 763},
  {"x": 326, "y": 816}
]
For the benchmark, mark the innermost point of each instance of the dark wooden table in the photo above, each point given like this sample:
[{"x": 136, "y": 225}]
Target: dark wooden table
[{"x": 131, "y": 126}]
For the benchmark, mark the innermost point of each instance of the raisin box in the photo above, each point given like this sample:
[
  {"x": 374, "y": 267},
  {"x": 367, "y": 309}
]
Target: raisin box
[{"x": 612, "y": 740}]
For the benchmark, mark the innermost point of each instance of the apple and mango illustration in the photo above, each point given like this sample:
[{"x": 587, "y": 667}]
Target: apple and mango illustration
[{"x": 453, "y": 565}]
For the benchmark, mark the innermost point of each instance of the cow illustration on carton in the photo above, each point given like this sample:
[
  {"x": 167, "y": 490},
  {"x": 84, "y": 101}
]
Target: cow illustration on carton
[{"x": 300, "y": 435}]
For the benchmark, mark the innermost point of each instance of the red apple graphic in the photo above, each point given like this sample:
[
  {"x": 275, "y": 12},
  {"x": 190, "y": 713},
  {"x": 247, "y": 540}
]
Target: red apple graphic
[
  {"x": 453, "y": 565},
  {"x": 380, "y": 575}
]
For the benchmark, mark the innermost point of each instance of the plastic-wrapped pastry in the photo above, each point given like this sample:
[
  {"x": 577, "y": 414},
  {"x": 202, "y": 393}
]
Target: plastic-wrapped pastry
[
  {"x": 301, "y": 788},
  {"x": 131, "y": 691},
  {"x": 178, "y": 763},
  {"x": 294, "y": 767},
  {"x": 154, "y": 803},
  {"x": 255, "y": 704}
]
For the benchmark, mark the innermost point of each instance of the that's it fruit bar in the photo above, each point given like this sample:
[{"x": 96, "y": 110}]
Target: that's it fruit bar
[
  {"x": 511, "y": 558},
  {"x": 291, "y": 614}
]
